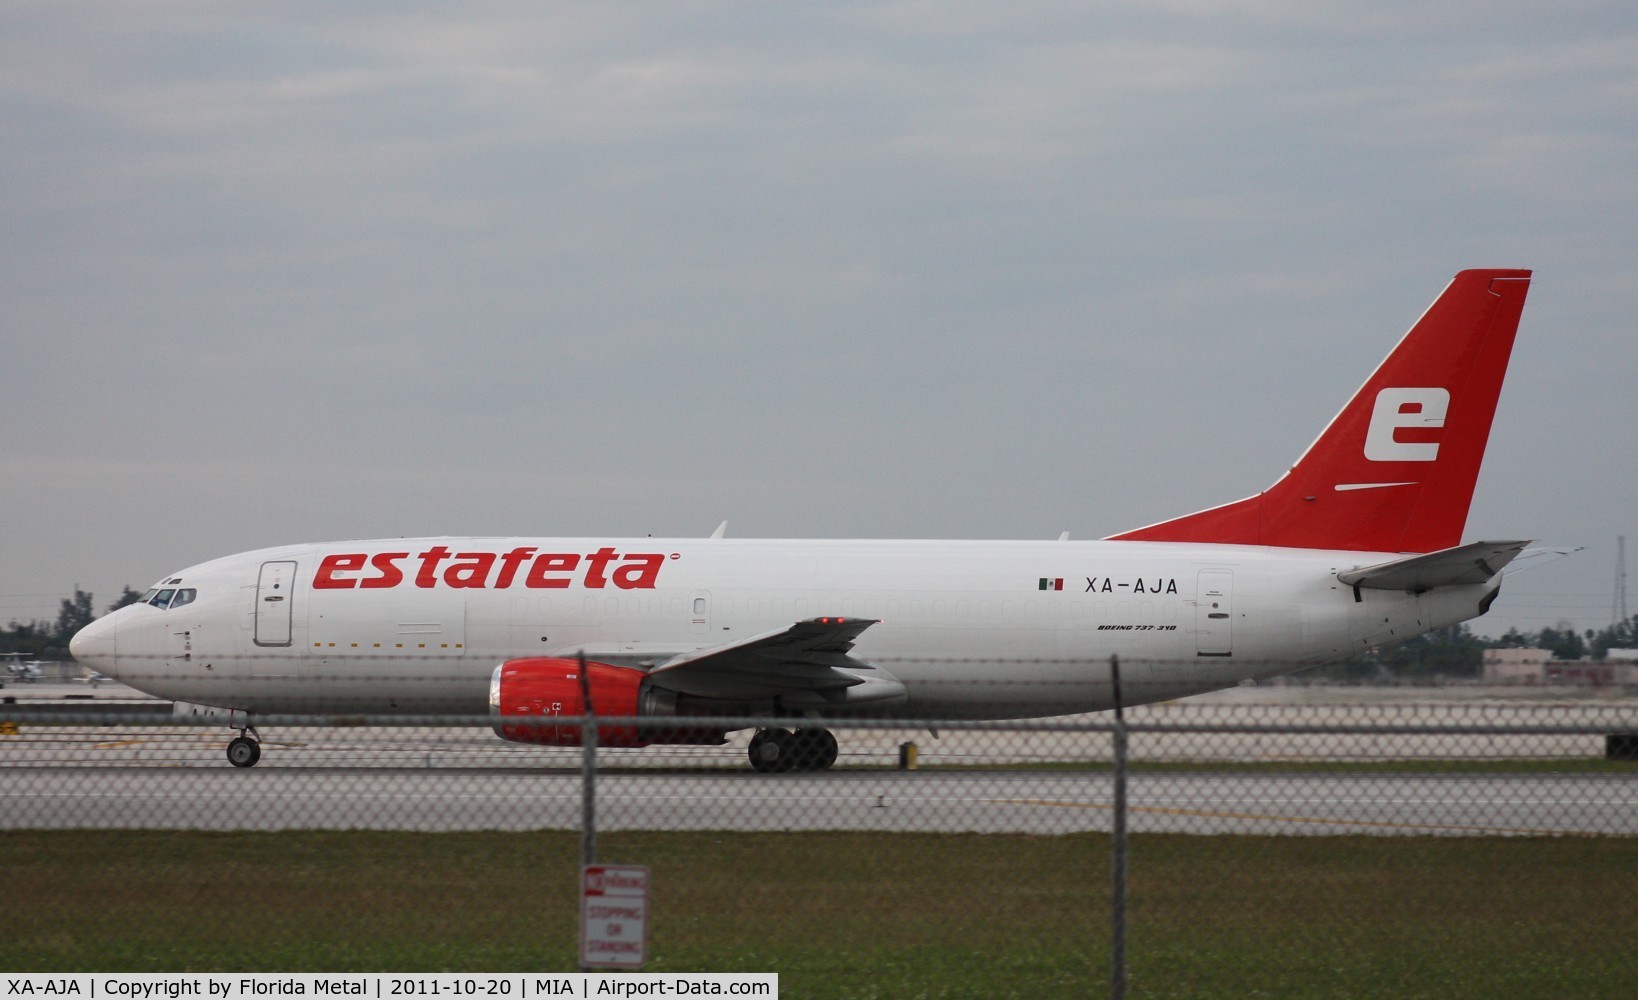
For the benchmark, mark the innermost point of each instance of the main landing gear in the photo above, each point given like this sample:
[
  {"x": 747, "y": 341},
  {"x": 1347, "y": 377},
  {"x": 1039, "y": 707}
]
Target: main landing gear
[
  {"x": 807, "y": 749},
  {"x": 245, "y": 749}
]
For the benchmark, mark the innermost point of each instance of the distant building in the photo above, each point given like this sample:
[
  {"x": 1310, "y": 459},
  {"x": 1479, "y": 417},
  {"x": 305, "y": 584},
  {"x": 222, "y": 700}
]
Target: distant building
[
  {"x": 1516, "y": 666},
  {"x": 1537, "y": 667},
  {"x": 1626, "y": 666},
  {"x": 1579, "y": 673}
]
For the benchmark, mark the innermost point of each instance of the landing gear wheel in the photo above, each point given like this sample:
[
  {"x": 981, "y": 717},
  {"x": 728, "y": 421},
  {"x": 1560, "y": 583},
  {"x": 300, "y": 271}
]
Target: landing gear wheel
[
  {"x": 770, "y": 750},
  {"x": 813, "y": 749},
  {"x": 243, "y": 751}
]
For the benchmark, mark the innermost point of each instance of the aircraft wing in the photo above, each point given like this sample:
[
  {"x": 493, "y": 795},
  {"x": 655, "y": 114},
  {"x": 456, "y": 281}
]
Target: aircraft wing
[
  {"x": 804, "y": 666},
  {"x": 1473, "y": 563}
]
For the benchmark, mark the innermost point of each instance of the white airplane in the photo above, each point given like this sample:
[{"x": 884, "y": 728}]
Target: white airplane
[
  {"x": 24, "y": 671},
  {"x": 1359, "y": 544}
]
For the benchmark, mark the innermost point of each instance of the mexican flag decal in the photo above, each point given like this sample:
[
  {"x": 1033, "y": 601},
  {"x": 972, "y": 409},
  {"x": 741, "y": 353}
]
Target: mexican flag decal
[{"x": 1052, "y": 583}]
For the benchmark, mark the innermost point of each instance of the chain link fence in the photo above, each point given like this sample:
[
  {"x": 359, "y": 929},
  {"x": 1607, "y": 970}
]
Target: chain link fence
[{"x": 1271, "y": 835}]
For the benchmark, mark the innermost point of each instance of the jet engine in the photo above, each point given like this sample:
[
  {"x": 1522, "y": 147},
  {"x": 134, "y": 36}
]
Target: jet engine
[{"x": 528, "y": 697}]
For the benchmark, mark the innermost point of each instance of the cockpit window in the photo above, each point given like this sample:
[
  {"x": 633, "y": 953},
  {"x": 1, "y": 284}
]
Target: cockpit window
[{"x": 170, "y": 597}]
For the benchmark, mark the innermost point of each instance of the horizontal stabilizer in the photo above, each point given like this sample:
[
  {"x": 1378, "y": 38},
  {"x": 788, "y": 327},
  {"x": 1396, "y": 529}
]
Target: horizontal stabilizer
[
  {"x": 1474, "y": 563},
  {"x": 1531, "y": 558}
]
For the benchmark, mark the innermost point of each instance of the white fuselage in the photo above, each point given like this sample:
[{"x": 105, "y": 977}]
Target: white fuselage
[{"x": 972, "y": 629}]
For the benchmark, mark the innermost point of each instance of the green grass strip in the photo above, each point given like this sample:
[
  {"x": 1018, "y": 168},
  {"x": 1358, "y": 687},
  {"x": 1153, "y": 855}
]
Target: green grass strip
[
  {"x": 850, "y": 914},
  {"x": 1386, "y": 765}
]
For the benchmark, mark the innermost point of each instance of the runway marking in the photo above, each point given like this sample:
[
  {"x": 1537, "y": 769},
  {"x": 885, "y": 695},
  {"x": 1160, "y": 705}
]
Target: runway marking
[
  {"x": 208, "y": 743},
  {"x": 95, "y": 744},
  {"x": 1323, "y": 820}
]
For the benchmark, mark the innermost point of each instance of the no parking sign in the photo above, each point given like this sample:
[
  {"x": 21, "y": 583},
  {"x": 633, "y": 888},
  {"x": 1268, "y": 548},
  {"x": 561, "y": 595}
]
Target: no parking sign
[{"x": 614, "y": 916}]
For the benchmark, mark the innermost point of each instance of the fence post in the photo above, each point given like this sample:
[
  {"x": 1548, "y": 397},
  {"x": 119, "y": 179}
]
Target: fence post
[
  {"x": 588, "y": 783},
  {"x": 588, "y": 771},
  {"x": 1117, "y": 968}
]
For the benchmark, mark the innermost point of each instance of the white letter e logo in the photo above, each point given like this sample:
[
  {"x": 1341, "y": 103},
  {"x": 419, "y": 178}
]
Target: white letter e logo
[{"x": 1396, "y": 408}]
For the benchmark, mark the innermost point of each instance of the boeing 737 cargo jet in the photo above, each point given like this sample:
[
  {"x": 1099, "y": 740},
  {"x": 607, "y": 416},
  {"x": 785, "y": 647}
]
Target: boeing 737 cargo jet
[{"x": 1359, "y": 544}]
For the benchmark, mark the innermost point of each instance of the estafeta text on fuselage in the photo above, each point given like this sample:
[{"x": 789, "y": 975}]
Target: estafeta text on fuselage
[{"x": 524, "y": 566}]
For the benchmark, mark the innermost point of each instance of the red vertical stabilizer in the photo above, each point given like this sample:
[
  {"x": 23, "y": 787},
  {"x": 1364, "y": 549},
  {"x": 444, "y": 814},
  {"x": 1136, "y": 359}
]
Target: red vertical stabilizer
[{"x": 1395, "y": 470}]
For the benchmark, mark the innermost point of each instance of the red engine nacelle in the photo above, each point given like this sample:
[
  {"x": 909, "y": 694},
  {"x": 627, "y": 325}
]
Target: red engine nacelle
[{"x": 544, "y": 688}]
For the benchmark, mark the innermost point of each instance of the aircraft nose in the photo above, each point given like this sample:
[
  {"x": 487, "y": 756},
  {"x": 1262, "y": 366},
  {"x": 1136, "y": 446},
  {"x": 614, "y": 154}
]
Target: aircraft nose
[{"x": 96, "y": 646}]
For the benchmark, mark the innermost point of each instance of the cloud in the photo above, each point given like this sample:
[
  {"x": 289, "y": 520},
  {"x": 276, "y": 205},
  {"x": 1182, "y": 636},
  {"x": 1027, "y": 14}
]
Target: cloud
[{"x": 873, "y": 269}]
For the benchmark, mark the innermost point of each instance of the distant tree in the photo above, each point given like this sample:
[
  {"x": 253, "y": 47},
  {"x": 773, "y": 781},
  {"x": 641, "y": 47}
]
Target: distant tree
[
  {"x": 75, "y": 615},
  {"x": 1563, "y": 642},
  {"x": 1445, "y": 653},
  {"x": 1621, "y": 635},
  {"x": 129, "y": 597},
  {"x": 36, "y": 640},
  {"x": 1452, "y": 652},
  {"x": 1514, "y": 639}
]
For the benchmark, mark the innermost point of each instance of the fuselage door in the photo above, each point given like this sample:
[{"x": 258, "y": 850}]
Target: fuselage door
[
  {"x": 699, "y": 612},
  {"x": 1213, "y": 613},
  {"x": 273, "y": 603}
]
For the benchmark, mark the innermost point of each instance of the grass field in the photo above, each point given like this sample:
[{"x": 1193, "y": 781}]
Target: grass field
[
  {"x": 851, "y": 915},
  {"x": 1453, "y": 765}
]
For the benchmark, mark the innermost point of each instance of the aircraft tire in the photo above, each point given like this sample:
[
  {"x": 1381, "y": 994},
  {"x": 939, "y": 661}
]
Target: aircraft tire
[
  {"x": 813, "y": 749},
  {"x": 829, "y": 749},
  {"x": 771, "y": 750},
  {"x": 242, "y": 751}
]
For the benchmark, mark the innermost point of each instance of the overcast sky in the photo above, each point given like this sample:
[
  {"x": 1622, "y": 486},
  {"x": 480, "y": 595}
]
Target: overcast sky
[{"x": 294, "y": 272}]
